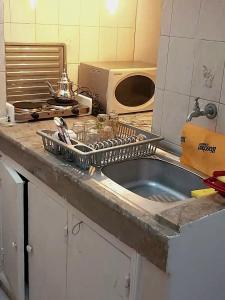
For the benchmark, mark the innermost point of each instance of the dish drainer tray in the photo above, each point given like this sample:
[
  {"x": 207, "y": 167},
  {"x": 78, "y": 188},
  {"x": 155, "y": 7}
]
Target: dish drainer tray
[{"x": 85, "y": 156}]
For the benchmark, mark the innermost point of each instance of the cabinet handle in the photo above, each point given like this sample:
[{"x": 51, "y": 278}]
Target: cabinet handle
[
  {"x": 29, "y": 248},
  {"x": 127, "y": 285},
  {"x": 76, "y": 228},
  {"x": 66, "y": 231},
  {"x": 14, "y": 245}
]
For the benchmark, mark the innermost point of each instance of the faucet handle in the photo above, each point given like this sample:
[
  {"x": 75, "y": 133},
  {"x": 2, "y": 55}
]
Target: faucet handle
[
  {"x": 211, "y": 111},
  {"x": 197, "y": 106}
]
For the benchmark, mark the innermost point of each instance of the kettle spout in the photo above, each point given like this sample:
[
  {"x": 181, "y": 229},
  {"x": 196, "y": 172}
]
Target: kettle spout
[{"x": 51, "y": 89}]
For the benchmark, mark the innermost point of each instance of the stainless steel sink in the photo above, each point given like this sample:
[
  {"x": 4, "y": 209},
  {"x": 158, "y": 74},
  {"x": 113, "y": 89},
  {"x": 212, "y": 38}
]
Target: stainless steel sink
[{"x": 155, "y": 179}]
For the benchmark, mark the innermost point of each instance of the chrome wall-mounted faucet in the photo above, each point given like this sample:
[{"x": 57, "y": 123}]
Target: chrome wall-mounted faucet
[{"x": 210, "y": 111}]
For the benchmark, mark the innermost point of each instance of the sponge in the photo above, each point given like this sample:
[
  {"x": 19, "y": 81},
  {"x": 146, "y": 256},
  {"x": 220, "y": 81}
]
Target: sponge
[
  {"x": 221, "y": 178},
  {"x": 203, "y": 193}
]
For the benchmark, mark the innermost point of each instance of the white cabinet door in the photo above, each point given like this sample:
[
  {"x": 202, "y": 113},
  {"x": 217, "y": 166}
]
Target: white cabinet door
[
  {"x": 96, "y": 269},
  {"x": 47, "y": 219},
  {"x": 11, "y": 196}
]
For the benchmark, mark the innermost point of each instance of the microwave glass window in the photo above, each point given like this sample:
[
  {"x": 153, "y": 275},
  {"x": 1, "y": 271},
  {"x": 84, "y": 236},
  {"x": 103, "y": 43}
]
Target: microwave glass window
[{"x": 135, "y": 90}]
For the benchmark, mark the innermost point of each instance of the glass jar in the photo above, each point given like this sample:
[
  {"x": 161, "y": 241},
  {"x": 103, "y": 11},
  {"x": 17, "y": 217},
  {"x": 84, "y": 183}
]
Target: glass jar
[
  {"x": 89, "y": 124},
  {"x": 106, "y": 133},
  {"x": 79, "y": 131},
  {"x": 102, "y": 121},
  {"x": 114, "y": 122},
  {"x": 91, "y": 136}
]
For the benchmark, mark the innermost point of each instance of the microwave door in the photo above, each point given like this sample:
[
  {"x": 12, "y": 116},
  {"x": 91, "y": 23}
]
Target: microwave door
[{"x": 134, "y": 91}]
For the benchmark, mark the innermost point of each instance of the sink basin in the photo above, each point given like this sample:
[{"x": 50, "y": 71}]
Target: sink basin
[{"x": 154, "y": 179}]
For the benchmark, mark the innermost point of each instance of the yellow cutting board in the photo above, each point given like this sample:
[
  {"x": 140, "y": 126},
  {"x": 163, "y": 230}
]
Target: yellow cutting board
[{"x": 202, "y": 149}]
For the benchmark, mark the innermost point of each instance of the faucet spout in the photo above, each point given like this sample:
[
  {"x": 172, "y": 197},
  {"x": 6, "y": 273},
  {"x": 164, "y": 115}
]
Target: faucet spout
[
  {"x": 194, "y": 114},
  {"x": 210, "y": 111}
]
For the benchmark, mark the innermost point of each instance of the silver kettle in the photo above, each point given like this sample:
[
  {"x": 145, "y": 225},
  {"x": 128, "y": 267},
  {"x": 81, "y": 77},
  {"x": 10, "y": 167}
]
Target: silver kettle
[{"x": 65, "y": 91}]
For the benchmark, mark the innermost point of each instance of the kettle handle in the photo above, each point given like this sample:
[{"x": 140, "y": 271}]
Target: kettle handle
[{"x": 52, "y": 92}]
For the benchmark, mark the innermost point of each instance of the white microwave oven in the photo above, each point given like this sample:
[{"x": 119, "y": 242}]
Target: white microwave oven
[{"x": 122, "y": 87}]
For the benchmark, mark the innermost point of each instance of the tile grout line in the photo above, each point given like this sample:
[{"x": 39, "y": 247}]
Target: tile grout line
[
  {"x": 135, "y": 29},
  {"x": 167, "y": 62},
  {"x": 195, "y": 54}
]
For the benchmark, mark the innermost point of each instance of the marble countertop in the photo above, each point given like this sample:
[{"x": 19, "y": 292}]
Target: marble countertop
[
  {"x": 136, "y": 227},
  {"x": 139, "y": 120}
]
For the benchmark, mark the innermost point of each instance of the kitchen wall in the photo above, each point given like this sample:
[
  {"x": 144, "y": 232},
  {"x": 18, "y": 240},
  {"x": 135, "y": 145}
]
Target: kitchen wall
[
  {"x": 147, "y": 31},
  {"x": 2, "y": 64},
  {"x": 86, "y": 26},
  {"x": 190, "y": 64}
]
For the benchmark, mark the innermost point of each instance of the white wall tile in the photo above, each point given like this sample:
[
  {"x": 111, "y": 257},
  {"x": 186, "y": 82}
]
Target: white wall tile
[
  {"x": 175, "y": 111},
  {"x": 125, "y": 51},
  {"x": 70, "y": 35},
  {"x": 1, "y": 12},
  {"x": 89, "y": 40},
  {"x": 47, "y": 33},
  {"x": 2, "y": 93},
  {"x": 47, "y": 12},
  {"x": 23, "y": 33},
  {"x": 158, "y": 111},
  {"x": 180, "y": 65},
  {"x": 2, "y": 62},
  {"x": 208, "y": 70},
  {"x": 221, "y": 119},
  {"x": 7, "y": 17},
  {"x": 127, "y": 13},
  {"x": 72, "y": 70},
  {"x": 202, "y": 121},
  {"x": 162, "y": 62},
  {"x": 2, "y": 45},
  {"x": 2, "y": 85},
  {"x": 167, "y": 8},
  {"x": 69, "y": 12},
  {"x": 185, "y": 18},
  {"x": 147, "y": 31},
  {"x": 90, "y": 13},
  {"x": 222, "y": 98},
  {"x": 107, "y": 19},
  {"x": 22, "y": 12},
  {"x": 7, "y": 32},
  {"x": 107, "y": 43},
  {"x": 212, "y": 20}
]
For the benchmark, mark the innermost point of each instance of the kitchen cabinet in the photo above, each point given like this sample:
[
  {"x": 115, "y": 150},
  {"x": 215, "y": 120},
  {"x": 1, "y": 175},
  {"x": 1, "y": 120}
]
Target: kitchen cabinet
[
  {"x": 73, "y": 260},
  {"x": 12, "y": 196},
  {"x": 68, "y": 256},
  {"x": 96, "y": 268},
  {"x": 47, "y": 236}
]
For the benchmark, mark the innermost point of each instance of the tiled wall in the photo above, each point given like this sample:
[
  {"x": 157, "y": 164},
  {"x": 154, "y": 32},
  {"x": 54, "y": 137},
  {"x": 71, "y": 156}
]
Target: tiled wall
[
  {"x": 190, "y": 64},
  {"x": 89, "y": 30},
  {"x": 147, "y": 30},
  {"x": 2, "y": 64}
]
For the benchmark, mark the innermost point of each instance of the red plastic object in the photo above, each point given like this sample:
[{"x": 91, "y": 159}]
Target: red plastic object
[{"x": 216, "y": 184}]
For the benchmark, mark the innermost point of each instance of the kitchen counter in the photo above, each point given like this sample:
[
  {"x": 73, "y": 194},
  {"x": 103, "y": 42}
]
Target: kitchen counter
[{"x": 137, "y": 228}]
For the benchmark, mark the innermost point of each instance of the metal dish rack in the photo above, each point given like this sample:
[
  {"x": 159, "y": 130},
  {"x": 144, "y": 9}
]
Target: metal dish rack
[{"x": 85, "y": 156}]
